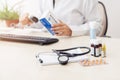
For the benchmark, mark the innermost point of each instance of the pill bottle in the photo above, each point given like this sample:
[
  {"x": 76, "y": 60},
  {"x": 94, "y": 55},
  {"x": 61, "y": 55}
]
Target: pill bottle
[
  {"x": 95, "y": 48},
  {"x": 92, "y": 47}
]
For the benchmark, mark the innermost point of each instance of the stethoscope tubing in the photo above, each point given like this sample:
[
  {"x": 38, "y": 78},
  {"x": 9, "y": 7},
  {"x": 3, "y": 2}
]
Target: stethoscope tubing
[{"x": 61, "y": 52}]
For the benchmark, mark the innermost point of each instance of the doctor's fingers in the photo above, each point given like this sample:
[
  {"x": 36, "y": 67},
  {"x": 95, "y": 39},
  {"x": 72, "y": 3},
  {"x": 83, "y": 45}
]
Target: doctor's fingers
[
  {"x": 25, "y": 20},
  {"x": 58, "y": 24},
  {"x": 63, "y": 33},
  {"x": 59, "y": 33},
  {"x": 57, "y": 28},
  {"x": 24, "y": 16}
]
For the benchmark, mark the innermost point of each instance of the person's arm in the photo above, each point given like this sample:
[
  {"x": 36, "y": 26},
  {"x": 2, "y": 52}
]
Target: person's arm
[
  {"x": 91, "y": 14},
  {"x": 30, "y": 8}
]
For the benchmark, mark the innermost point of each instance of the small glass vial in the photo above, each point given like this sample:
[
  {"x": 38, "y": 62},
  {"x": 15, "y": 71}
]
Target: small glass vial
[{"x": 104, "y": 51}]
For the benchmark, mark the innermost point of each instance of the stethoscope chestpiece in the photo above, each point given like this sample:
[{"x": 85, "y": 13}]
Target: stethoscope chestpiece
[{"x": 63, "y": 59}]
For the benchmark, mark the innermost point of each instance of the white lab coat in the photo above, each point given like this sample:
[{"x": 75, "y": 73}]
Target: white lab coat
[{"x": 75, "y": 13}]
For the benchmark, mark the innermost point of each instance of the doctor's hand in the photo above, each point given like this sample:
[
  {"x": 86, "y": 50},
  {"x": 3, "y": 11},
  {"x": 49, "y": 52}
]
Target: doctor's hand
[
  {"x": 61, "y": 29},
  {"x": 24, "y": 20}
]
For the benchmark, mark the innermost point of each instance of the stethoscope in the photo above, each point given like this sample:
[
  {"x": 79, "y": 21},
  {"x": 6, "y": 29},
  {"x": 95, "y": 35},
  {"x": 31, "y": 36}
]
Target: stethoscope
[{"x": 63, "y": 57}]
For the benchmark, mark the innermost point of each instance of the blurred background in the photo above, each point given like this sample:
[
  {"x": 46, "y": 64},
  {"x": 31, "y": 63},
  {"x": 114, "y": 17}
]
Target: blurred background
[{"x": 112, "y": 7}]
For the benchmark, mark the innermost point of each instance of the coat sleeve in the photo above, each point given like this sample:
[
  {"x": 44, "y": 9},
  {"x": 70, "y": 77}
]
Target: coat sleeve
[{"x": 91, "y": 14}]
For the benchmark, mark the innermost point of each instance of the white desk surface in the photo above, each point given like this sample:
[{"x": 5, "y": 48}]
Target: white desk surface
[{"x": 18, "y": 62}]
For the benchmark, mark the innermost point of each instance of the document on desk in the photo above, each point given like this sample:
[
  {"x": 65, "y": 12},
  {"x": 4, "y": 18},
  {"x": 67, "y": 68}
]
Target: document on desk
[
  {"x": 19, "y": 31},
  {"x": 52, "y": 58}
]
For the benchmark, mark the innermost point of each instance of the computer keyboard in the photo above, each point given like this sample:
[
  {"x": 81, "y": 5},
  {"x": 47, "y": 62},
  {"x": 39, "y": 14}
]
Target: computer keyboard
[{"x": 35, "y": 39}]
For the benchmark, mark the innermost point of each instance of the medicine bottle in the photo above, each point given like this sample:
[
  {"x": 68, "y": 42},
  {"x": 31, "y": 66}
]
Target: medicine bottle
[
  {"x": 95, "y": 48},
  {"x": 92, "y": 26},
  {"x": 92, "y": 47},
  {"x": 98, "y": 47}
]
